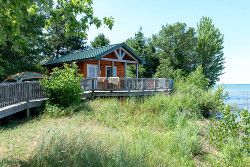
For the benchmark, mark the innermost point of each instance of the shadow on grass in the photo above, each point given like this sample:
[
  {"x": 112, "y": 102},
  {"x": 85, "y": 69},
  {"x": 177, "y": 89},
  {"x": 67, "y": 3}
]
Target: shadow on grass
[
  {"x": 18, "y": 119},
  {"x": 12, "y": 162}
]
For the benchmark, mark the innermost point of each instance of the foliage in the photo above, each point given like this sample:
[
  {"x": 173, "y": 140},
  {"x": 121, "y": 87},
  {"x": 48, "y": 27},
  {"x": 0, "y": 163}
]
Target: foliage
[
  {"x": 32, "y": 31},
  {"x": 166, "y": 70},
  {"x": 63, "y": 86},
  {"x": 177, "y": 44},
  {"x": 13, "y": 19},
  {"x": 232, "y": 125},
  {"x": 62, "y": 23},
  {"x": 198, "y": 78},
  {"x": 145, "y": 49},
  {"x": 23, "y": 43},
  {"x": 99, "y": 41},
  {"x": 197, "y": 95},
  {"x": 209, "y": 50}
]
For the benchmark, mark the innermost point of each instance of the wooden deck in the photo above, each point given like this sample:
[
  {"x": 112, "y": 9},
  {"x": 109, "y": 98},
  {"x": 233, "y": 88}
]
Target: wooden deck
[
  {"x": 131, "y": 93},
  {"x": 16, "y": 97}
]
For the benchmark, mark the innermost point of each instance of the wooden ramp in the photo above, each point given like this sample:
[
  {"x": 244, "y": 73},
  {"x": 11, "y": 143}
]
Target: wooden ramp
[
  {"x": 14, "y": 108},
  {"x": 16, "y": 97}
]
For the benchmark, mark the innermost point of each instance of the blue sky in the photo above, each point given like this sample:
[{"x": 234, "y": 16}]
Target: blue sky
[{"x": 230, "y": 16}]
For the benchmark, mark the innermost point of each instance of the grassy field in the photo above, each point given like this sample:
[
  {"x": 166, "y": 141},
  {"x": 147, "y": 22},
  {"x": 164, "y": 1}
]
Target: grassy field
[{"x": 113, "y": 132}]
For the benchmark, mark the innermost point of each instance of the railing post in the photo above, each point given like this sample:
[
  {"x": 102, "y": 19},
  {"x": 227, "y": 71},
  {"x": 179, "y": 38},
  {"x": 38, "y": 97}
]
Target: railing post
[
  {"x": 155, "y": 84},
  {"x": 128, "y": 84},
  {"x": 93, "y": 85},
  {"x": 143, "y": 84},
  {"x": 28, "y": 100},
  {"x": 1, "y": 98}
]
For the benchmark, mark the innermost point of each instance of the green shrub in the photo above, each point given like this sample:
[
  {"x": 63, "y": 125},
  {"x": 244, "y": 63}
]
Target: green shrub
[
  {"x": 196, "y": 96},
  {"x": 229, "y": 127},
  {"x": 63, "y": 86}
]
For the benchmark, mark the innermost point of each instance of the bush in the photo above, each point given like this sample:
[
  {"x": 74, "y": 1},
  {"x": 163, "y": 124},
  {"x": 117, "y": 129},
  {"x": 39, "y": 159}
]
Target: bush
[
  {"x": 63, "y": 86},
  {"x": 196, "y": 95},
  {"x": 229, "y": 126}
]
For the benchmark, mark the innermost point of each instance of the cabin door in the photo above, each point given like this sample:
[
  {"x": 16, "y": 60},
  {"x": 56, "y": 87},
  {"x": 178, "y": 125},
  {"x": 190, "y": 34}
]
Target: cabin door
[{"x": 92, "y": 73}]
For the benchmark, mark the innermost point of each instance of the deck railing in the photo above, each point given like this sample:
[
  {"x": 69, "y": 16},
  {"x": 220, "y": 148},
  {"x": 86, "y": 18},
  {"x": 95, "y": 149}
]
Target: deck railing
[
  {"x": 103, "y": 83},
  {"x": 14, "y": 93}
]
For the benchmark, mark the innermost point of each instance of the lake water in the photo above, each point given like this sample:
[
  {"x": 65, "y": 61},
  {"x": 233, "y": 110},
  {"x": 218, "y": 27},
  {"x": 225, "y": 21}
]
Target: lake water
[{"x": 238, "y": 95}]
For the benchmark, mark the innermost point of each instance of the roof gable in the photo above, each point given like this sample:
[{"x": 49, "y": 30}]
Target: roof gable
[{"x": 93, "y": 54}]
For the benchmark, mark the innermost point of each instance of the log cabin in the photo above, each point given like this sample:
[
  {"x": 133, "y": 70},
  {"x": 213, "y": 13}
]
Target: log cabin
[{"x": 105, "y": 61}]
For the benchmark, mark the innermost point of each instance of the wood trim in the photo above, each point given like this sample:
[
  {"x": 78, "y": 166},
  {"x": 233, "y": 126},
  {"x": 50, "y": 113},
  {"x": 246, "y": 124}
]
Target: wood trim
[
  {"x": 98, "y": 68},
  {"x": 117, "y": 60},
  {"x": 129, "y": 55},
  {"x": 136, "y": 70},
  {"x": 112, "y": 68},
  {"x": 125, "y": 69},
  {"x": 117, "y": 55},
  {"x": 123, "y": 54},
  {"x": 120, "y": 52}
]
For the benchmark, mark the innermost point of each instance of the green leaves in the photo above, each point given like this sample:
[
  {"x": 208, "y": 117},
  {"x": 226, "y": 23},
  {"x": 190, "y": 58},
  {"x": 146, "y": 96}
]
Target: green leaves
[
  {"x": 99, "y": 41},
  {"x": 209, "y": 50},
  {"x": 144, "y": 48},
  {"x": 63, "y": 87},
  {"x": 71, "y": 19},
  {"x": 182, "y": 48},
  {"x": 177, "y": 43},
  {"x": 233, "y": 124}
]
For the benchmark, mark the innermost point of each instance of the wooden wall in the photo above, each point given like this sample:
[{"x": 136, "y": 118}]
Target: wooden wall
[{"x": 119, "y": 66}]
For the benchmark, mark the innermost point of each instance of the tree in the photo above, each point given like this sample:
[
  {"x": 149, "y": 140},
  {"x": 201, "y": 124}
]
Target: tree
[
  {"x": 210, "y": 50},
  {"x": 34, "y": 30},
  {"x": 13, "y": 16},
  {"x": 166, "y": 70},
  {"x": 177, "y": 44},
  {"x": 99, "y": 41},
  {"x": 62, "y": 22},
  {"x": 21, "y": 51},
  {"x": 145, "y": 49}
]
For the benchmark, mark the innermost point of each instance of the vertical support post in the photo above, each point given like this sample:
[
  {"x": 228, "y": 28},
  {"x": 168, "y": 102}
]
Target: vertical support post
[
  {"x": 98, "y": 68},
  {"x": 28, "y": 92},
  {"x": 1, "y": 98},
  {"x": 137, "y": 70},
  {"x": 28, "y": 100},
  {"x": 112, "y": 68},
  {"x": 93, "y": 85},
  {"x": 143, "y": 84},
  {"x": 28, "y": 113},
  {"x": 128, "y": 84},
  {"x": 155, "y": 84},
  {"x": 125, "y": 75},
  {"x": 112, "y": 74},
  {"x": 125, "y": 69}
]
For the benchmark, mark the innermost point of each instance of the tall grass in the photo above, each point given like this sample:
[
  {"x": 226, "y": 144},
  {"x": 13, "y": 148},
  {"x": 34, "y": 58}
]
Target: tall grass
[
  {"x": 154, "y": 131},
  {"x": 162, "y": 130},
  {"x": 131, "y": 132}
]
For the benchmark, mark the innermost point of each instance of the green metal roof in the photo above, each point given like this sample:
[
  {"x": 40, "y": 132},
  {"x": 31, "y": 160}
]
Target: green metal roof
[{"x": 93, "y": 54}]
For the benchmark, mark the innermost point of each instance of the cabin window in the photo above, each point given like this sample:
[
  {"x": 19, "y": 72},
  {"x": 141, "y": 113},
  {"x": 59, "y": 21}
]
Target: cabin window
[{"x": 108, "y": 71}]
